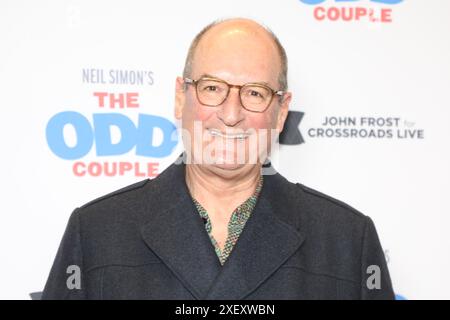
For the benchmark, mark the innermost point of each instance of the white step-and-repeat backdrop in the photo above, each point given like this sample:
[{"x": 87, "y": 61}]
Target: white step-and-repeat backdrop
[{"x": 87, "y": 92}]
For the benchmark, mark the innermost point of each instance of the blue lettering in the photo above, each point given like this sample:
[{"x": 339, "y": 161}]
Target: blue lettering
[
  {"x": 103, "y": 141},
  {"x": 130, "y": 135},
  {"x": 144, "y": 146},
  {"x": 55, "y": 135}
]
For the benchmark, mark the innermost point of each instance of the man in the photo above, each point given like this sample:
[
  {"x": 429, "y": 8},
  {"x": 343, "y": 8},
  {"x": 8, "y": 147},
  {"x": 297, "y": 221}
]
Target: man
[{"x": 213, "y": 226}]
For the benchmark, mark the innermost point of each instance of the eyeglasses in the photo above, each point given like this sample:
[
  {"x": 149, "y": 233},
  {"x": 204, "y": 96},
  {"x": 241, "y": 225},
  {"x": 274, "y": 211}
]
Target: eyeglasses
[{"x": 212, "y": 92}]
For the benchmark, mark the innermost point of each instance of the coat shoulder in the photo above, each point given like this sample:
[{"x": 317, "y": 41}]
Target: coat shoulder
[
  {"x": 327, "y": 203},
  {"x": 115, "y": 206},
  {"x": 114, "y": 195},
  {"x": 300, "y": 202}
]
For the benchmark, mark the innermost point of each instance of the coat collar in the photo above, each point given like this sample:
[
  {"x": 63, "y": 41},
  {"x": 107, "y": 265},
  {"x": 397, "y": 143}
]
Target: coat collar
[{"x": 173, "y": 230}]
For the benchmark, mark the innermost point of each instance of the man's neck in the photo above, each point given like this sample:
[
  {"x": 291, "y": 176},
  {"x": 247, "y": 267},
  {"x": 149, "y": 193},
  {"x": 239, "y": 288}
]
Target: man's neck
[{"x": 207, "y": 187}]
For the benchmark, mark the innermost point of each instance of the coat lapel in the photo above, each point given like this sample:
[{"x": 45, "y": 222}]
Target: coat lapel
[
  {"x": 176, "y": 233},
  {"x": 173, "y": 229},
  {"x": 263, "y": 246}
]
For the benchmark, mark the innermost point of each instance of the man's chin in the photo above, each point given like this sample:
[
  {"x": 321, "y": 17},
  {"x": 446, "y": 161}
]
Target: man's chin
[{"x": 226, "y": 163}]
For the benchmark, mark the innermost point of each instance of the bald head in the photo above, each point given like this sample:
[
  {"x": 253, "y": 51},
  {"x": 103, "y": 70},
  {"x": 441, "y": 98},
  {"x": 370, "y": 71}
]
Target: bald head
[{"x": 234, "y": 31}]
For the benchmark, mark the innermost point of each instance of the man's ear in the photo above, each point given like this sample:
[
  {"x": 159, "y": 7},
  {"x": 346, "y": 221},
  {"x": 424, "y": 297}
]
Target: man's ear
[
  {"x": 283, "y": 111},
  {"x": 180, "y": 97}
]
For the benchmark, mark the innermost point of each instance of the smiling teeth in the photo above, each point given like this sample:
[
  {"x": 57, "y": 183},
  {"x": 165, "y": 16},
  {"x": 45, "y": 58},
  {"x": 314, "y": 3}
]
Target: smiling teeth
[{"x": 217, "y": 133}]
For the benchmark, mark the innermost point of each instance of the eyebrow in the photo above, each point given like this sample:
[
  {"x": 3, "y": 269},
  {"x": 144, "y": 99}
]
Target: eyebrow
[{"x": 206, "y": 75}]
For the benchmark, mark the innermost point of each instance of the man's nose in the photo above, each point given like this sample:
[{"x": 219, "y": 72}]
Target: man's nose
[{"x": 231, "y": 110}]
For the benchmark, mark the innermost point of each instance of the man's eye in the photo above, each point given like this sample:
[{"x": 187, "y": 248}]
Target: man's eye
[
  {"x": 255, "y": 94},
  {"x": 210, "y": 88}
]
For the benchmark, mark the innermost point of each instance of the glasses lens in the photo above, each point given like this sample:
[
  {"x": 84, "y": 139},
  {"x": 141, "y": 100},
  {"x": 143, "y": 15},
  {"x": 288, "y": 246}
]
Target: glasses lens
[
  {"x": 255, "y": 98},
  {"x": 211, "y": 92}
]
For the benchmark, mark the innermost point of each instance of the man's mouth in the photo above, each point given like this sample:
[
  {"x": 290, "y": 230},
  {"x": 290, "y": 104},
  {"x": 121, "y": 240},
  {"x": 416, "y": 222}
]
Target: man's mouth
[{"x": 218, "y": 133}]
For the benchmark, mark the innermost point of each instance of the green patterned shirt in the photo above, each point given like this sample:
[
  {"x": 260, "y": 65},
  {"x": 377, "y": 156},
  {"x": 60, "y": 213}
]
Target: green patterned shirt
[{"x": 236, "y": 224}]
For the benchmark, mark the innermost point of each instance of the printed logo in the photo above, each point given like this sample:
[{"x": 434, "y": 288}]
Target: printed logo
[{"x": 110, "y": 131}]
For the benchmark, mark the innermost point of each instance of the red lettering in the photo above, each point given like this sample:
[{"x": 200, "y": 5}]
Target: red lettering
[
  {"x": 113, "y": 100},
  {"x": 95, "y": 169},
  {"x": 120, "y": 100},
  {"x": 137, "y": 172},
  {"x": 77, "y": 170},
  {"x": 333, "y": 14},
  {"x": 318, "y": 11},
  {"x": 386, "y": 15},
  {"x": 152, "y": 169},
  {"x": 112, "y": 169},
  {"x": 360, "y": 12},
  {"x": 352, "y": 14},
  {"x": 132, "y": 100},
  {"x": 124, "y": 167},
  {"x": 101, "y": 98}
]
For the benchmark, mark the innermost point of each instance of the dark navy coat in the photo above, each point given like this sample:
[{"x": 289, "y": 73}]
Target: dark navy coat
[{"x": 147, "y": 241}]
